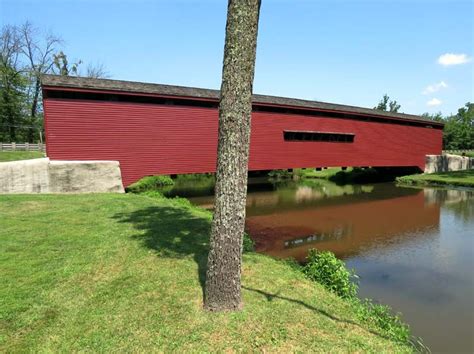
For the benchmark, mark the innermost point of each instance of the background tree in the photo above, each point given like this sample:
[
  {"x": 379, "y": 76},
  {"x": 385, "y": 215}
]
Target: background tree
[
  {"x": 13, "y": 84},
  {"x": 27, "y": 54},
  {"x": 223, "y": 287},
  {"x": 96, "y": 71},
  {"x": 458, "y": 133},
  {"x": 62, "y": 67},
  {"x": 39, "y": 52},
  {"x": 386, "y": 105}
]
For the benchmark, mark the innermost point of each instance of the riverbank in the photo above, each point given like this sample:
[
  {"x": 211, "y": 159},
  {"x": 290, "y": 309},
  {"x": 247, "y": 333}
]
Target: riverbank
[
  {"x": 455, "y": 178},
  {"x": 355, "y": 175},
  {"x": 114, "y": 272}
]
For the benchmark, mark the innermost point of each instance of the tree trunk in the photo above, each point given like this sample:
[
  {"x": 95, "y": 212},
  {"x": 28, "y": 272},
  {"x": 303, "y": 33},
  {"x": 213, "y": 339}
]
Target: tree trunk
[
  {"x": 222, "y": 290},
  {"x": 34, "y": 104}
]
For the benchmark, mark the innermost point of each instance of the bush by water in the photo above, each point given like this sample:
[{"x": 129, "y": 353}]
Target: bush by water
[{"x": 325, "y": 268}]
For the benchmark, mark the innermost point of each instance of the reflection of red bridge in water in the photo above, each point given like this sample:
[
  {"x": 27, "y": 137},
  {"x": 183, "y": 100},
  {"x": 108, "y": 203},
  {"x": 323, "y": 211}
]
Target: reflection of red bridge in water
[
  {"x": 345, "y": 228},
  {"x": 159, "y": 129}
]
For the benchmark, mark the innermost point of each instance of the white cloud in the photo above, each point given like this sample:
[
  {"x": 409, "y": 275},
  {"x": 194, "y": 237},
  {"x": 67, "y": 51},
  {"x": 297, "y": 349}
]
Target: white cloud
[
  {"x": 448, "y": 59},
  {"x": 434, "y": 102},
  {"x": 435, "y": 87}
]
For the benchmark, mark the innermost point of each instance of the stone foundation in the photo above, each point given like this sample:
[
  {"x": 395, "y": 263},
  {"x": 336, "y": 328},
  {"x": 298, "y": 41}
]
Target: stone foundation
[
  {"x": 447, "y": 162},
  {"x": 45, "y": 176}
]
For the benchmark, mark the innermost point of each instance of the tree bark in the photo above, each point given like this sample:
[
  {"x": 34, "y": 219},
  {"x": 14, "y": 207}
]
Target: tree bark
[
  {"x": 222, "y": 289},
  {"x": 34, "y": 104}
]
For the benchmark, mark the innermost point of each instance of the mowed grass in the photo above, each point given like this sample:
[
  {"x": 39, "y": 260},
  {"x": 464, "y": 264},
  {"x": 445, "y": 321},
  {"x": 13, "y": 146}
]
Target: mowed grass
[
  {"x": 125, "y": 273},
  {"x": 469, "y": 153},
  {"x": 455, "y": 178},
  {"x": 20, "y": 155}
]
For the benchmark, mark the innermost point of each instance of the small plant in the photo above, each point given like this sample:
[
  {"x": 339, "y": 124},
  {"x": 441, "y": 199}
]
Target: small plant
[
  {"x": 382, "y": 317},
  {"x": 331, "y": 272},
  {"x": 248, "y": 244},
  {"x": 294, "y": 264},
  {"x": 150, "y": 183}
]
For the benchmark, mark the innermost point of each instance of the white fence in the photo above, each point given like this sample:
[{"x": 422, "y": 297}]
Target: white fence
[{"x": 22, "y": 147}]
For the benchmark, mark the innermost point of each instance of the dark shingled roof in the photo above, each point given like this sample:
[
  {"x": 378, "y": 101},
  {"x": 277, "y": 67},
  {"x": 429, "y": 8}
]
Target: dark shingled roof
[{"x": 199, "y": 93}]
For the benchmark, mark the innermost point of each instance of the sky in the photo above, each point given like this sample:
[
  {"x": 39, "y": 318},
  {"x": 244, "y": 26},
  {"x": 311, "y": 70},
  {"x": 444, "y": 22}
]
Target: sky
[{"x": 419, "y": 52}]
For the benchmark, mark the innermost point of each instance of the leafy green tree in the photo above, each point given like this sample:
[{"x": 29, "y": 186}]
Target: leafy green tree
[
  {"x": 386, "y": 105},
  {"x": 13, "y": 84},
  {"x": 458, "y": 133},
  {"x": 459, "y": 129},
  {"x": 12, "y": 102}
]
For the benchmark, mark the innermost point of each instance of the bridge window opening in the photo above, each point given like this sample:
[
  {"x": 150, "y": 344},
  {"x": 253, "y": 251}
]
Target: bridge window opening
[{"x": 318, "y": 136}]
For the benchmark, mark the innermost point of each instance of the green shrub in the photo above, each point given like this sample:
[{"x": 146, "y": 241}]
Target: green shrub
[
  {"x": 195, "y": 176},
  {"x": 331, "y": 272},
  {"x": 359, "y": 175},
  {"x": 382, "y": 317},
  {"x": 248, "y": 244},
  {"x": 293, "y": 263},
  {"x": 324, "y": 268},
  {"x": 280, "y": 174},
  {"x": 150, "y": 183}
]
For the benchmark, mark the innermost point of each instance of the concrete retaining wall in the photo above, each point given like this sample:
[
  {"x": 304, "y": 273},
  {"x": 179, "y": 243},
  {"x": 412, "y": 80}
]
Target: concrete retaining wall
[
  {"x": 27, "y": 176},
  {"x": 45, "y": 176},
  {"x": 448, "y": 162}
]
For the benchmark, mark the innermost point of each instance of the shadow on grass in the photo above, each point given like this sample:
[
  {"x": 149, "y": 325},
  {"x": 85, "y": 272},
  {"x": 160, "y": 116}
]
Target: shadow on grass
[
  {"x": 271, "y": 297},
  {"x": 172, "y": 233}
]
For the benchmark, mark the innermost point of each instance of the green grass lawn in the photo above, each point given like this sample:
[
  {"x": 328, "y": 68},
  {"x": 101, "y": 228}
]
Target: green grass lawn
[
  {"x": 125, "y": 273},
  {"x": 470, "y": 153},
  {"x": 19, "y": 155},
  {"x": 454, "y": 178},
  {"x": 466, "y": 153}
]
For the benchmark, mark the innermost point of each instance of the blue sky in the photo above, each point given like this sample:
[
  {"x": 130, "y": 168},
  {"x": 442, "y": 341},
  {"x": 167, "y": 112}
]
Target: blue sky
[{"x": 349, "y": 52}]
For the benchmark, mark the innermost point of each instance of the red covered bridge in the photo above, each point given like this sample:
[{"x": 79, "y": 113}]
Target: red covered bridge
[{"x": 159, "y": 129}]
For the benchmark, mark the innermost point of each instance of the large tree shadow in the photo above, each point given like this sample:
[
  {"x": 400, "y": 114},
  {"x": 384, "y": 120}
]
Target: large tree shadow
[{"x": 172, "y": 233}]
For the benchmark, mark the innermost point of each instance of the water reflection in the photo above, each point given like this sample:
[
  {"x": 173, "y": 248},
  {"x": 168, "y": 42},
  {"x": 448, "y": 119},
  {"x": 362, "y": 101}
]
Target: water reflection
[
  {"x": 287, "y": 220},
  {"x": 343, "y": 224}
]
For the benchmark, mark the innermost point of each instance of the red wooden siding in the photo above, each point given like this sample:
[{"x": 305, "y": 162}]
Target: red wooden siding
[{"x": 151, "y": 139}]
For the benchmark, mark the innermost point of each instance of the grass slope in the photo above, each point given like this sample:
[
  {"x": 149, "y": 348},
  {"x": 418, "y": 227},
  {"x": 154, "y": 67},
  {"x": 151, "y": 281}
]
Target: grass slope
[
  {"x": 454, "y": 178},
  {"x": 125, "y": 273},
  {"x": 19, "y": 155}
]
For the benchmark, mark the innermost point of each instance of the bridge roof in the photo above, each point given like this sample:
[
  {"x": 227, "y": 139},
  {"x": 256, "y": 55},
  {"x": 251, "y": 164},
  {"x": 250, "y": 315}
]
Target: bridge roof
[{"x": 137, "y": 88}]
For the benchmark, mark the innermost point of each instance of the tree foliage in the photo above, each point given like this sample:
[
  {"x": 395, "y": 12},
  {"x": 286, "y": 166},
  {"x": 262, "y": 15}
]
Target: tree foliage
[
  {"x": 61, "y": 65},
  {"x": 13, "y": 85},
  {"x": 458, "y": 133},
  {"x": 387, "y": 105}
]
